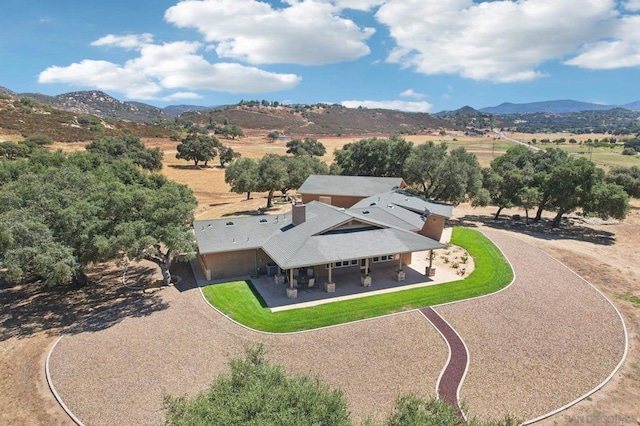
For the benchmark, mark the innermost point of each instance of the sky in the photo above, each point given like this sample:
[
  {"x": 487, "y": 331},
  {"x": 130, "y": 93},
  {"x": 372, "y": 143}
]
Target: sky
[{"x": 411, "y": 55}]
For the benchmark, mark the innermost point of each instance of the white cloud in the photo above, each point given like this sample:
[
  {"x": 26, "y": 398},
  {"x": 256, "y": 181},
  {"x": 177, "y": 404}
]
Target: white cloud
[
  {"x": 499, "y": 41},
  {"x": 364, "y": 5},
  {"x": 396, "y": 105},
  {"x": 307, "y": 32},
  {"x": 181, "y": 95},
  {"x": 103, "y": 75},
  {"x": 129, "y": 42},
  {"x": 632, "y": 5},
  {"x": 168, "y": 66},
  {"x": 622, "y": 50},
  {"x": 410, "y": 93}
]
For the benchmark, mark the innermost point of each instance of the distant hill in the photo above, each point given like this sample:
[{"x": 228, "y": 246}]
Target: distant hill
[
  {"x": 555, "y": 107},
  {"x": 100, "y": 104},
  {"x": 176, "y": 110},
  {"x": 468, "y": 118},
  {"x": 320, "y": 119},
  {"x": 616, "y": 121},
  {"x": 28, "y": 115}
]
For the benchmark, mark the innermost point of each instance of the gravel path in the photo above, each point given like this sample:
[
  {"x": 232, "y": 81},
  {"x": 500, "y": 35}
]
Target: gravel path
[
  {"x": 116, "y": 375},
  {"x": 543, "y": 342}
]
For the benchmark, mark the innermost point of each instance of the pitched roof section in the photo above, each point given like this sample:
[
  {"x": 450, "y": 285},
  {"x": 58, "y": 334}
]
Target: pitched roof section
[
  {"x": 407, "y": 201},
  {"x": 328, "y": 234},
  {"x": 359, "y": 186},
  {"x": 237, "y": 233}
]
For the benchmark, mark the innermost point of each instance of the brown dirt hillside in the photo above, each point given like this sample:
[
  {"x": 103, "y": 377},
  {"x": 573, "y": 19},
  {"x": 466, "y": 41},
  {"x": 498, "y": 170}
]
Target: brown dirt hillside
[
  {"x": 27, "y": 117},
  {"x": 321, "y": 120}
]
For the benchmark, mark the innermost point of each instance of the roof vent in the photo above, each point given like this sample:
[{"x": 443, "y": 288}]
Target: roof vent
[
  {"x": 373, "y": 204},
  {"x": 209, "y": 226},
  {"x": 365, "y": 211},
  {"x": 230, "y": 224},
  {"x": 263, "y": 221}
]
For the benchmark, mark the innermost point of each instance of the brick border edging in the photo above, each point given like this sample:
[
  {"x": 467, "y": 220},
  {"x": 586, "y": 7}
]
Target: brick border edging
[{"x": 458, "y": 353}]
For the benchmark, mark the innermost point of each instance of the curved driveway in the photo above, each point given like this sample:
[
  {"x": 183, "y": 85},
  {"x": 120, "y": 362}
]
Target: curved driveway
[
  {"x": 533, "y": 347},
  {"x": 541, "y": 343}
]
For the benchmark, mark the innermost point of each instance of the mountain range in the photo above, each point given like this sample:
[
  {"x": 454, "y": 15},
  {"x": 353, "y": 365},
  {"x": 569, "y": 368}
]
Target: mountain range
[
  {"x": 555, "y": 107},
  {"x": 101, "y": 104}
]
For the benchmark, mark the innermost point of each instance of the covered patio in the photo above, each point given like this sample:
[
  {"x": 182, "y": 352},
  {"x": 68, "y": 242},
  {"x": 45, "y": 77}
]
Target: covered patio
[{"x": 348, "y": 283}]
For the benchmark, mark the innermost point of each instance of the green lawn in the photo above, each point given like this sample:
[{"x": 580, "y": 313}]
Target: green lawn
[{"x": 492, "y": 272}]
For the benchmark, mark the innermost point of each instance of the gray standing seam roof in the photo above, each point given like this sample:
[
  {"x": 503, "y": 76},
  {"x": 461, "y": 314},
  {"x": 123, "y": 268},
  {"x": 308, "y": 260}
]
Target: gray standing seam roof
[{"x": 361, "y": 186}]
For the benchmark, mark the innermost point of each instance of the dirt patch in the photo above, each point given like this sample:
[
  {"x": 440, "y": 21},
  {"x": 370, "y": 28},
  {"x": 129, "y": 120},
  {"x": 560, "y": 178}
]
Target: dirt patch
[{"x": 30, "y": 322}]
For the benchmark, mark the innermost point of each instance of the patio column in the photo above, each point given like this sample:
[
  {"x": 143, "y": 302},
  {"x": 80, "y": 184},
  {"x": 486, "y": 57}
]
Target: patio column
[
  {"x": 400, "y": 267},
  {"x": 430, "y": 258},
  {"x": 366, "y": 266},
  {"x": 291, "y": 278},
  {"x": 330, "y": 273}
]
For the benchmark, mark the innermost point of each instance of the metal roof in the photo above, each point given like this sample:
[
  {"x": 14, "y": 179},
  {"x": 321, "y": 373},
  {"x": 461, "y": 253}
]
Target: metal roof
[
  {"x": 407, "y": 201},
  {"x": 360, "y": 186}
]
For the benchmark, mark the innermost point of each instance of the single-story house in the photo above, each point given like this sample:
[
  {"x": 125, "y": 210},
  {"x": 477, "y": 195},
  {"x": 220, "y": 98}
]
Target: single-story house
[
  {"x": 345, "y": 191},
  {"x": 312, "y": 240}
]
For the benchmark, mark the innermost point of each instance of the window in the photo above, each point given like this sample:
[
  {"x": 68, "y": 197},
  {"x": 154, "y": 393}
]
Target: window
[
  {"x": 385, "y": 258},
  {"x": 342, "y": 264}
]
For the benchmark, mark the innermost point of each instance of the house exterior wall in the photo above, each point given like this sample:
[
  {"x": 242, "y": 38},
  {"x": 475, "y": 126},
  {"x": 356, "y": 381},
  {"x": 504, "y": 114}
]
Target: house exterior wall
[
  {"x": 232, "y": 264},
  {"x": 433, "y": 227},
  {"x": 343, "y": 201}
]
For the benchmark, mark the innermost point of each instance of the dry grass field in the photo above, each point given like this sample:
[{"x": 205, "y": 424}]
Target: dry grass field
[{"x": 603, "y": 253}]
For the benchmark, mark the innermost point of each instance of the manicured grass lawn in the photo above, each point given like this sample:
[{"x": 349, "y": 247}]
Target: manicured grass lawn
[{"x": 492, "y": 272}]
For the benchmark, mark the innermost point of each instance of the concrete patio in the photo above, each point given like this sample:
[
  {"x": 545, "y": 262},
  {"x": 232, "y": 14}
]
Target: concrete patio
[{"x": 347, "y": 284}]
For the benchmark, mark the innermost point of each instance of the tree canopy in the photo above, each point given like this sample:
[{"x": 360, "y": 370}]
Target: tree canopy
[
  {"x": 242, "y": 175},
  {"x": 627, "y": 177},
  {"x": 554, "y": 181},
  {"x": 127, "y": 147},
  {"x": 373, "y": 157},
  {"x": 198, "y": 147},
  {"x": 271, "y": 173},
  {"x": 254, "y": 391},
  {"x": 309, "y": 146},
  {"x": 61, "y": 212}
]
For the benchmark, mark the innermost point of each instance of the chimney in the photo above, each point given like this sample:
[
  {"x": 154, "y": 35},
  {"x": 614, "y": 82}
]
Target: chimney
[{"x": 299, "y": 213}]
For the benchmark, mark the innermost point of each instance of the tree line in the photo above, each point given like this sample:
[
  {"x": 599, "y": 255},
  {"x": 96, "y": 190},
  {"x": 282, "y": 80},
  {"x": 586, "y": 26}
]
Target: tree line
[
  {"x": 275, "y": 172},
  {"x": 549, "y": 180},
  {"x": 61, "y": 212}
]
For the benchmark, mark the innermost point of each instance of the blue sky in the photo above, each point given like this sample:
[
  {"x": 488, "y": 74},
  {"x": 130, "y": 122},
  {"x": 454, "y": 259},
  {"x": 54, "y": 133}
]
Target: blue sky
[{"x": 416, "y": 55}]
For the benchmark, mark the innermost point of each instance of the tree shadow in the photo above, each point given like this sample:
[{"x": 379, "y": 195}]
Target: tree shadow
[
  {"x": 30, "y": 308},
  {"x": 186, "y": 281},
  {"x": 245, "y": 213},
  {"x": 191, "y": 167},
  {"x": 569, "y": 229}
]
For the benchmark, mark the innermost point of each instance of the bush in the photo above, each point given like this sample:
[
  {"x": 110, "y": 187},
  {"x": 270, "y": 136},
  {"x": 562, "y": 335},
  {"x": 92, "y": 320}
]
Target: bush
[
  {"x": 629, "y": 151},
  {"x": 256, "y": 392}
]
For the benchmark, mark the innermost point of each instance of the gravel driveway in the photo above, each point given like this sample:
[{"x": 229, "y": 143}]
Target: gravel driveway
[
  {"x": 546, "y": 340},
  {"x": 116, "y": 375},
  {"x": 541, "y": 343}
]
